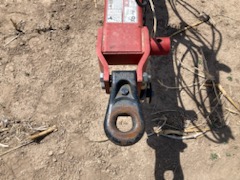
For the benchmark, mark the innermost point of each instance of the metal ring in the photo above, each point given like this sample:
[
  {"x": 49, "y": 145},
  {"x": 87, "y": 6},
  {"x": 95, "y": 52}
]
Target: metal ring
[{"x": 124, "y": 138}]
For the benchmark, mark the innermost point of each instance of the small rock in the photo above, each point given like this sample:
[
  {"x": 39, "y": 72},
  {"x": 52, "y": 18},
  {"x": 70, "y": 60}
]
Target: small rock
[
  {"x": 61, "y": 152},
  {"x": 71, "y": 157},
  {"x": 22, "y": 43},
  {"x": 81, "y": 85},
  {"x": 54, "y": 160},
  {"x": 50, "y": 153},
  {"x": 11, "y": 68},
  {"x": 5, "y": 123}
]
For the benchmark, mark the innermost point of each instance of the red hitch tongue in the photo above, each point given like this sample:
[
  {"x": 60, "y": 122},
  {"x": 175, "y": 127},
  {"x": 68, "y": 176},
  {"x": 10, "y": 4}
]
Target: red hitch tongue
[{"x": 123, "y": 40}]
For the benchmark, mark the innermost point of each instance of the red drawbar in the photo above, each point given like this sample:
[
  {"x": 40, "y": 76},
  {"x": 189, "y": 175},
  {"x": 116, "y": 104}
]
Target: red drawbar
[{"x": 124, "y": 40}]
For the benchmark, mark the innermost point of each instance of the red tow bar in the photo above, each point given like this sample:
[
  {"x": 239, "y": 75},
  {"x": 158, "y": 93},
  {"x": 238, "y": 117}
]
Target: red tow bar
[{"x": 123, "y": 40}]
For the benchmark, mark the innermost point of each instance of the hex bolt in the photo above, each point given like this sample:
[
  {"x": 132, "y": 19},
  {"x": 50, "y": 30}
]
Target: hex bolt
[
  {"x": 146, "y": 77},
  {"x": 102, "y": 81},
  {"x": 124, "y": 91}
]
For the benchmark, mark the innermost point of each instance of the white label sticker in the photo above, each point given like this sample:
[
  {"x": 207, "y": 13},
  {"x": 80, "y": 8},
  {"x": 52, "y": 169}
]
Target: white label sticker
[
  {"x": 130, "y": 11},
  {"x": 114, "y": 11},
  {"x": 119, "y": 11}
]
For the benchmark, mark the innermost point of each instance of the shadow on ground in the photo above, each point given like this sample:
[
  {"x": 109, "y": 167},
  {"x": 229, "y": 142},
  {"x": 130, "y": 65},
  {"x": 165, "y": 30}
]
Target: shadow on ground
[{"x": 167, "y": 103}]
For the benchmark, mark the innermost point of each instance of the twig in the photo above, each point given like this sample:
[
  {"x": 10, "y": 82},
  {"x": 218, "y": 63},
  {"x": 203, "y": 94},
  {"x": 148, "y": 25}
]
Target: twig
[
  {"x": 14, "y": 25},
  {"x": 170, "y": 131},
  {"x": 226, "y": 119},
  {"x": 185, "y": 67},
  {"x": 32, "y": 138},
  {"x": 196, "y": 129},
  {"x": 41, "y": 128},
  {"x": 12, "y": 40},
  {"x": 195, "y": 126},
  {"x": 3, "y": 145},
  {"x": 187, "y": 28},
  {"x": 232, "y": 111},
  {"x": 228, "y": 97},
  {"x": 95, "y": 3},
  {"x": 205, "y": 18},
  {"x": 18, "y": 26},
  {"x": 224, "y": 93},
  {"x": 15, "y": 148},
  {"x": 43, "y": 133},
  {"x": 3, "y": 130}
]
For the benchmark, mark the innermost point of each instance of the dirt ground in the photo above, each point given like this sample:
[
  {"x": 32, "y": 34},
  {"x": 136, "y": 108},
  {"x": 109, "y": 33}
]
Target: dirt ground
[{"x": 49, "y": 75}]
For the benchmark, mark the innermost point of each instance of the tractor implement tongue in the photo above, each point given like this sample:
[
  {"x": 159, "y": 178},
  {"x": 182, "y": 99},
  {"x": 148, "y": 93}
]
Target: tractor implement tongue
[{"x": 123, "y": 40}]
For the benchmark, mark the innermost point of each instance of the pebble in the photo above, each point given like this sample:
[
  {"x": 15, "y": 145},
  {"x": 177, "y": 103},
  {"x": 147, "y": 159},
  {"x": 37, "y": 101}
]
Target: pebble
[
  {"x": 11, "y": 68},
  {"x": 61, "y": 152},
  {"x": 54, "y": 160},
  {"x": 5, "y": 123},
  {"x": 71, "y": 157},
  {"x": 22, "y": 43},
  {"x": 50, "y": 153}
]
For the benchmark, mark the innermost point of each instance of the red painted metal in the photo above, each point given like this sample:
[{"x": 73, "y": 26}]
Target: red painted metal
[
  {"x": 124, "y": 42},
  {"x": 160, "y": 46}
]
